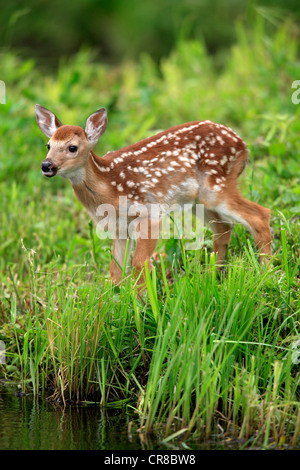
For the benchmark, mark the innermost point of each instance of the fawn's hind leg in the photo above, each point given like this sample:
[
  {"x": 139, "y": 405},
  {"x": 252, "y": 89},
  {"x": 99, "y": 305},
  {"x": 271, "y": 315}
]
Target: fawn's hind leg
[{"x": 253, "y": 216}]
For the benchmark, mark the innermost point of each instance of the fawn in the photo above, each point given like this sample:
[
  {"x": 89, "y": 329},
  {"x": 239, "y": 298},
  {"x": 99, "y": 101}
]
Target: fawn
[{"x": 197, "y": 162}]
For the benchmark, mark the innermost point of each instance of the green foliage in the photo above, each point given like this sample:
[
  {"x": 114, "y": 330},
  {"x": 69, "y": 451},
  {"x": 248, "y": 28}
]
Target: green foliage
[
  {"x": 116, "y": 29},
  {"x": 201, "y": 354}
]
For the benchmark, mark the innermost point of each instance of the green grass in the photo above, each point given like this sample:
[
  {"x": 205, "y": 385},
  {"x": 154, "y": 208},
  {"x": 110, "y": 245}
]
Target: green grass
[{"x": 200, "y": 355}]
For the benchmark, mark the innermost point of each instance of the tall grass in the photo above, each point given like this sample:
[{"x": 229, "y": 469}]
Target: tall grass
[
  {"x": 202, "y": 353},
  {"x": 217, "y": 358},
  {"x": 205, "y": 356}
]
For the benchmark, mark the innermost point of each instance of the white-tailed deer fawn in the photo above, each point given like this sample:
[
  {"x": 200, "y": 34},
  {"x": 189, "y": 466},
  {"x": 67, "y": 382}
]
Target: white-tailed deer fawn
[{"x": 197, "y": 162}]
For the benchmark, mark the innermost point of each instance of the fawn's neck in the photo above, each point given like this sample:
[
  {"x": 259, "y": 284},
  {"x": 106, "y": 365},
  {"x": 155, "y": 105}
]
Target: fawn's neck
[{"x": 90, "y": 184}]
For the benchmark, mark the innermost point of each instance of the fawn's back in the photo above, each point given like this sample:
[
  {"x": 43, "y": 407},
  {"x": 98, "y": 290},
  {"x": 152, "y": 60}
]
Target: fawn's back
[{"x": 193, "y": 161}]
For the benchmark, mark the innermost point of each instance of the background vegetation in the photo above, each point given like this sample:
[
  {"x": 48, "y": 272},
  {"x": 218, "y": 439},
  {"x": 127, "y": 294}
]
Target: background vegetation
[
  {"x": 199, "y": 355},
  {"x": 118, "y": 29}
]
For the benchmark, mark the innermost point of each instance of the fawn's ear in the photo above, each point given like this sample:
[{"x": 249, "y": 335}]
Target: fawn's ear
[
  {"x": 47, "y": 121},
  {"x": 96, "y": 125}
]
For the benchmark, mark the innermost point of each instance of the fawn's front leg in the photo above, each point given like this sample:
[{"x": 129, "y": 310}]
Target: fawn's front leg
[
  {"x": 222, "y": 233},
  {"x": 143, "y": 252},
  {"x": 118, "y": 259},
  {"x": 145, "y": 246}
]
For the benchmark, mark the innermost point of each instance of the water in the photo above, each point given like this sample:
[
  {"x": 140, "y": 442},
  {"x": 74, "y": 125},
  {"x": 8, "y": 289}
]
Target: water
[{"x": 27, "y": 424}]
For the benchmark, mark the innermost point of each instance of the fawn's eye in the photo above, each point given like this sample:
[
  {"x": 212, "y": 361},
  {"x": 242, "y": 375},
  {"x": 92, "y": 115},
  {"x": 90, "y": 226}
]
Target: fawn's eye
[
  {"x": 73, "y": 148},
  {"x": 48, "y": 146}
]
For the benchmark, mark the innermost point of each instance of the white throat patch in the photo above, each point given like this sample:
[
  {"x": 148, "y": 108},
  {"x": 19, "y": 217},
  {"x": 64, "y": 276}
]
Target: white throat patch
[{"x": 75, "y": 176}]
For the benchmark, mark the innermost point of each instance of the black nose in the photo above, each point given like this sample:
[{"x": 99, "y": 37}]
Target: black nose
[{"x": 46, "y": 166}]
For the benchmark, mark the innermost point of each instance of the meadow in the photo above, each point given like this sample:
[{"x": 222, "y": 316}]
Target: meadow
[{"x": 202, "y": 354}]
